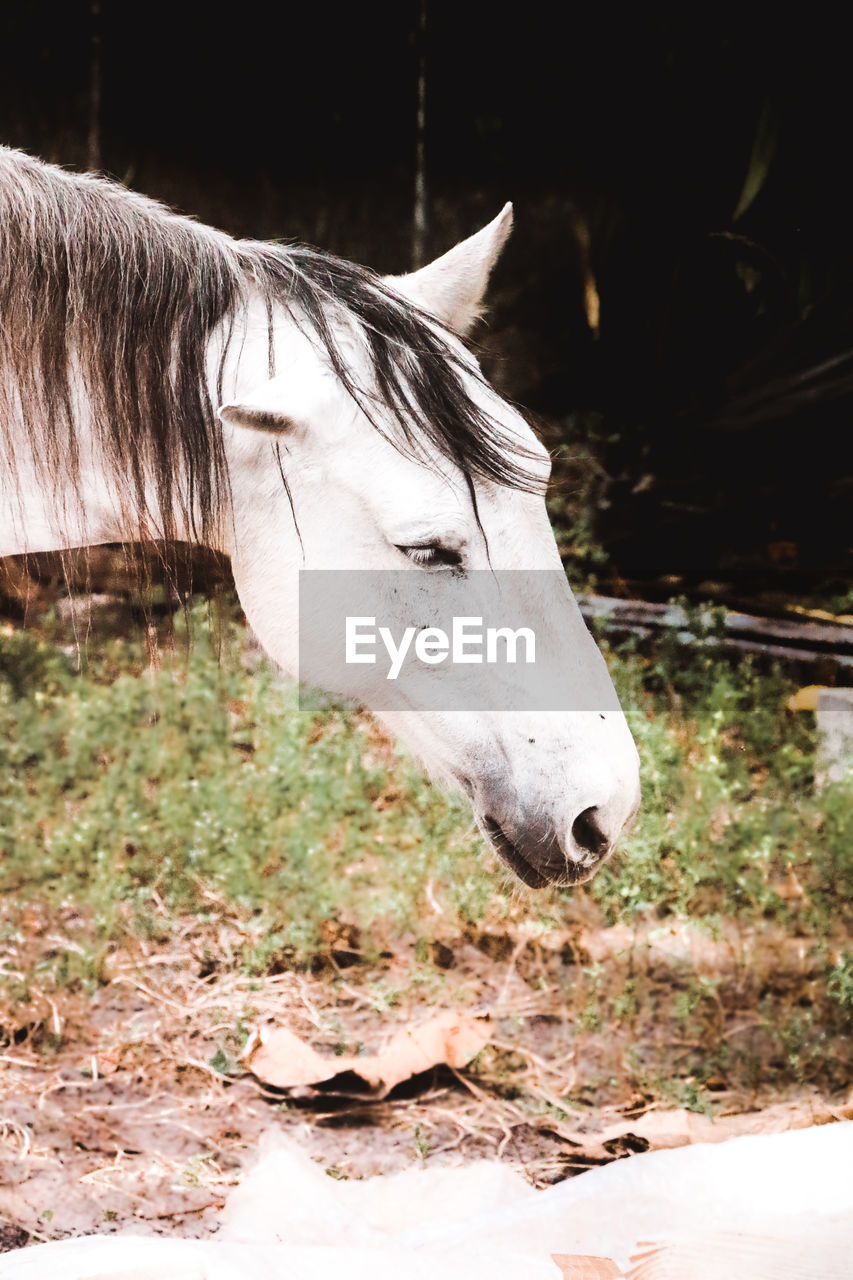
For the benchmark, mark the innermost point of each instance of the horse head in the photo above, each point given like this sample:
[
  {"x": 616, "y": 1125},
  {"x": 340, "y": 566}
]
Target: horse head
[{"x": 329, "y": 470}]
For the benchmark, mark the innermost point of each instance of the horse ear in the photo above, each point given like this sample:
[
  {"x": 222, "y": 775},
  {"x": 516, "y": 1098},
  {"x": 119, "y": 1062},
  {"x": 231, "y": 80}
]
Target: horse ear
[
  {"x": 256, "y": 418},
  {"x": 264, "y": 408},
  {"x": 452, "y": 287}
]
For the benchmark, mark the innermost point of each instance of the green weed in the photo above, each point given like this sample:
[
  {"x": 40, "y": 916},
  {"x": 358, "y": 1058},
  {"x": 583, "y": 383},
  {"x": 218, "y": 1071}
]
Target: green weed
[{"x": 131, "y": 797}]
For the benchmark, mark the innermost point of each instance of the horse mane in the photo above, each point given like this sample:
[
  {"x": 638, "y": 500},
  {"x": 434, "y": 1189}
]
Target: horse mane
[{"x": 106, "y": 290}]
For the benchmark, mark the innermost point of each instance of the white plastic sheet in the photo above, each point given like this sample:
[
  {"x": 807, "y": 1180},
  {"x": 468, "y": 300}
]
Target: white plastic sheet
[{"x": 777, "y": 1206}]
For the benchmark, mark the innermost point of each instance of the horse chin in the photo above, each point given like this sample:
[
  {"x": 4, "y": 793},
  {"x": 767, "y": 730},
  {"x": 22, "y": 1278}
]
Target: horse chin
[{"x": 561, "y": 875}]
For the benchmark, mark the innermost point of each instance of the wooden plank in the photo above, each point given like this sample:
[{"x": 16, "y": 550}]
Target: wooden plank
[{"x": 738, "y": 632}]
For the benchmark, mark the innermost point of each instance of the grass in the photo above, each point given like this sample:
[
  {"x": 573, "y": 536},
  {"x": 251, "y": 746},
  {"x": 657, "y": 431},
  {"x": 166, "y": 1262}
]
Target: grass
[
  {"x": 141, "y": 792},
  {"x": 730, "y": 821},
  {"x": 140, "y": 800},
  {"x": 131, "y": 791}
]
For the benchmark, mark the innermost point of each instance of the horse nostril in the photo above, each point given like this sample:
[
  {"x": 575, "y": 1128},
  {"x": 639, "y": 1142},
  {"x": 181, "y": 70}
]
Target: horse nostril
[{"x": 588, "y": 834}]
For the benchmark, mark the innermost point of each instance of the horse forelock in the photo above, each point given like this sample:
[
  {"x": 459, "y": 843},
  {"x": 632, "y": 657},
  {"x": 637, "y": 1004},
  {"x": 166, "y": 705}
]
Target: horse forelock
[
  {"x": 417, "y": 391},
  {"x": 108, "y": 289}
]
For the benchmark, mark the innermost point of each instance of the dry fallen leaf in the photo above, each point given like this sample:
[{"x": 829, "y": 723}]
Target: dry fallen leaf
[
  {"x": 284, "y": 1061},
  {"x": 578, "y": 1266},
  {"x": 659, "y": 1130}
]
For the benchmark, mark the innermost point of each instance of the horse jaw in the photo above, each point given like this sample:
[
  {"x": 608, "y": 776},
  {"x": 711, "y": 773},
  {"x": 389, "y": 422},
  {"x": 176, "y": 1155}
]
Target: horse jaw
[{"x": 452, "y": 287}]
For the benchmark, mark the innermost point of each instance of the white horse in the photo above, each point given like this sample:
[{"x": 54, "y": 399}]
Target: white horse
[{"x": 160, "y": 380}]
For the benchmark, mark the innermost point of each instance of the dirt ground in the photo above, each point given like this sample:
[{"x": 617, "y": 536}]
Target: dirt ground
[{"x": 131, "y": 1107}]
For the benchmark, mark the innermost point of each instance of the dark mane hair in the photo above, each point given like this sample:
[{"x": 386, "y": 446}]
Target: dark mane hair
[{"x": 106, "y": 287}]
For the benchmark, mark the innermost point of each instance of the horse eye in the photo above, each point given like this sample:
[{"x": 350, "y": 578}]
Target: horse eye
[{"x": 433, "y": 556}]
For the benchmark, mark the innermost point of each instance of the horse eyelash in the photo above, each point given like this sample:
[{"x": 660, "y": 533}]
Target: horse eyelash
[{"x": 432, "y": 554}]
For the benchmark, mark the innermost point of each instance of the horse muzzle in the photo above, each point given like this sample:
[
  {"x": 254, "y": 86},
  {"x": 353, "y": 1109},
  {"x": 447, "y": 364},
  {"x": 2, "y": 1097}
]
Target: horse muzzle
[{"x": 540, "y": 852}]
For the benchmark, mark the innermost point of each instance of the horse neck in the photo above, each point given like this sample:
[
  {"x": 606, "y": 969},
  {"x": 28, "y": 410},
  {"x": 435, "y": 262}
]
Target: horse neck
[{"x": 48, "y": 505}]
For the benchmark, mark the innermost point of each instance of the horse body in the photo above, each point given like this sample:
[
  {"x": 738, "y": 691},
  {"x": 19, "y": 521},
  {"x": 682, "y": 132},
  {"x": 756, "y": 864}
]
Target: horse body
[{"x": 160, "y": 380}]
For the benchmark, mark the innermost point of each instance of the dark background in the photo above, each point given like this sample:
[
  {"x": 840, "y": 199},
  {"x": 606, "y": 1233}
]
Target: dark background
[{"x": 694, "y": 166}]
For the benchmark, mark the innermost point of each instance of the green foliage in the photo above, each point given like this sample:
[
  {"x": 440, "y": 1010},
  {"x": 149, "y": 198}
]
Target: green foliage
[
  {"x": 131, "y": 796},
  {"x": 839, "y": 984},
  {"x": 578, "y": 484},
  {"x": 728, "y": 801},
  {"x": 142, "y": 794}
]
